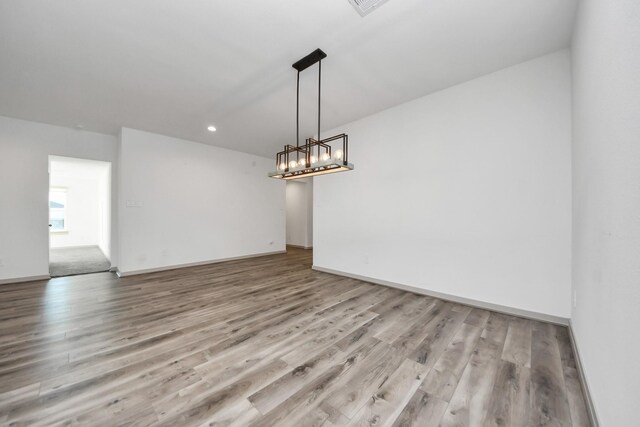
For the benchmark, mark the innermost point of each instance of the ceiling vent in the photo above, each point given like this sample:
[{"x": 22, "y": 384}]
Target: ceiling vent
[{"x": 365, "y": 7}]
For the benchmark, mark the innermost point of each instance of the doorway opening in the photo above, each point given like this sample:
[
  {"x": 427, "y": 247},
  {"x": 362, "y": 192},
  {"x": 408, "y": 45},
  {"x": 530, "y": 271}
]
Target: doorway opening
[
  {"x": 299, "y": 195},
  {"x": 79, "y": 216}
]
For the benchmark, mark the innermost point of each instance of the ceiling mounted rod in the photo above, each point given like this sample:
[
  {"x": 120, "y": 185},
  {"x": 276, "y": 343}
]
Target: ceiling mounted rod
[
  {"x": 319, "y": 91},
  {"x": 298, "y": 110}
]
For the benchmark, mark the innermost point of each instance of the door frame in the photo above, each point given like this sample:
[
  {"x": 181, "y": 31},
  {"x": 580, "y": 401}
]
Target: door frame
[{"x": 110, "y": 210}]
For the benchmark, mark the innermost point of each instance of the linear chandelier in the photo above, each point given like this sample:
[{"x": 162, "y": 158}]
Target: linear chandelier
[{"x": 315, "y": 156}]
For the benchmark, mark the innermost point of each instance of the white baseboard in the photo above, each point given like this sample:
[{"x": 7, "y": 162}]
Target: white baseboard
[
  {"x": 461, "y": 300},
  {"x": 300, "y": 246},
  {"x": 192, "y": 264},
  {"x": 25, "y": 279},
  {"x": 75, "y": 247},
  {"x": 583, "y": 380}
]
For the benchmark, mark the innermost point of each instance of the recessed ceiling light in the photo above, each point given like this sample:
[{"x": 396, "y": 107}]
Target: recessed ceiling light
[{"x": 211, "y": 128}]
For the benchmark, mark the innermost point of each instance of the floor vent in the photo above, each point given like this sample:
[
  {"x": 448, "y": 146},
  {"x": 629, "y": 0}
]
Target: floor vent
[{"x": 365, "y": 7}]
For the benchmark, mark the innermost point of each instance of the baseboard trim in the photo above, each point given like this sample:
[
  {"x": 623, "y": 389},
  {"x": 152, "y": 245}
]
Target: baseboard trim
[
  {"x": 25, "y": 279},
  {"x": 453, "y": 298},
  {"x": 193, "y": 264},
  {"x": 583, "y": 379},
  {"x": 300, "y": 246}
]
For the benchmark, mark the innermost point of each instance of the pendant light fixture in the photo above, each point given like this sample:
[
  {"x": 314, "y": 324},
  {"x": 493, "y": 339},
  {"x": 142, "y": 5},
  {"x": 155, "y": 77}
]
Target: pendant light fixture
[{"x": 316, "y": 156}]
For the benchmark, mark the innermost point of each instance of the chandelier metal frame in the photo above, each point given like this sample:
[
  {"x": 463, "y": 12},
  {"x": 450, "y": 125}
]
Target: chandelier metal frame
[{"x": 315, "y": 156}]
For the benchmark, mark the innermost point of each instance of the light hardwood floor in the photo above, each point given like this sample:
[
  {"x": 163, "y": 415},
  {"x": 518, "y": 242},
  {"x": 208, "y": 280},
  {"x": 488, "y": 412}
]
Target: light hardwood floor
[{"x": 266, "y": 342}]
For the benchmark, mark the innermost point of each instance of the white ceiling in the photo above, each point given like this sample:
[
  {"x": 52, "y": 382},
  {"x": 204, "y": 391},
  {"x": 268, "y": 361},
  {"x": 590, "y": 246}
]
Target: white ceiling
[{"x": 174, "y": 67}]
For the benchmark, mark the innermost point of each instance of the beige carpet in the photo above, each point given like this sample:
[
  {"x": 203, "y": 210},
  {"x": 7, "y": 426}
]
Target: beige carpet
[{"x": 71, "y": 261}]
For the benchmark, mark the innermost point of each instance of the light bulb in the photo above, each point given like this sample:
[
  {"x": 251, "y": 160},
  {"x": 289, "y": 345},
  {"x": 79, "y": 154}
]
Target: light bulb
[
  {"x": 302, "y": 162},
  {"x": 314, "y": 159},
  {"x": 325, "y": 157},
  {"x": 338, "y": 155},
  {"x": 293, "y": 164},
  {"x": 282, "y": 166}
]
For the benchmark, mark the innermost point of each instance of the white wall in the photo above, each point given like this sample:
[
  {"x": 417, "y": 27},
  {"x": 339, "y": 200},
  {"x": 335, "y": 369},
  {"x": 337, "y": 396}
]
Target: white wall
[
  {"x": 606, "y": 204},
  {"x": 195, "y": 203},
  {"x": 88, "y": 210},
  {"x": 82, "y": 213},
  {"x": 24, "y": 188},
  {"x": 465, "y": 192},
  {"x": 299, "y": 196},
  {"x": 105, "y": 209},
  {"x": 310, "y": 212}
]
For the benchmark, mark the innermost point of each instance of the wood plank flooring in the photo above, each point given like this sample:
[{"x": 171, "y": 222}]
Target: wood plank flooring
[{"x": 269, "y": 342}]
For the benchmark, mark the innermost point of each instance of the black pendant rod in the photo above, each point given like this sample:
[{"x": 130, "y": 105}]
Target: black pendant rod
[
  {"x": 319, "y": 87},
  {"x": 316, "y": 56},
  {"x": 298, "y": 115}
]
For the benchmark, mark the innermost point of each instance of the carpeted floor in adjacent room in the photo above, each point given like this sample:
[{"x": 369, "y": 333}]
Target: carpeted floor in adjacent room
[{"x": 78, "y": 260}]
